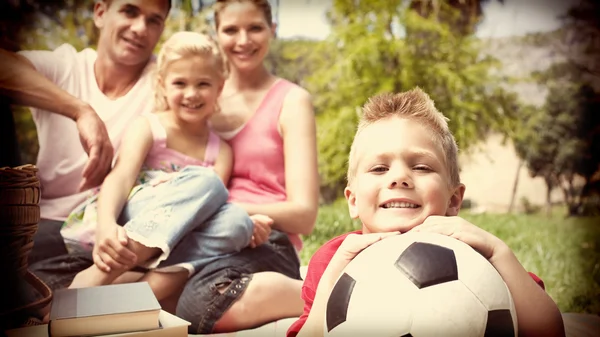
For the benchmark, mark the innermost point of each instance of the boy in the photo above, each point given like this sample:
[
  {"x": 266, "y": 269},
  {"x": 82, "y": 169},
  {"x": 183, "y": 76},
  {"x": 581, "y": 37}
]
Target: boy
[{"x": 403, "y": 176}]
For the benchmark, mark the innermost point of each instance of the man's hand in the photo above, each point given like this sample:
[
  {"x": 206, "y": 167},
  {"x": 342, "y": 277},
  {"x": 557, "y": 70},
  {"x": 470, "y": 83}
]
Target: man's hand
[
  {"x": 262, "y": 229},
  {"x": 96, "y": 143},
  {"x": 110, "y": 250}
]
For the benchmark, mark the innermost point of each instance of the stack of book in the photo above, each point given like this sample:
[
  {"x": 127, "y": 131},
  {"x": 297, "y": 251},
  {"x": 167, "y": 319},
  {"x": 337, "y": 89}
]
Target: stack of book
[{"x": 114, "y": 310}]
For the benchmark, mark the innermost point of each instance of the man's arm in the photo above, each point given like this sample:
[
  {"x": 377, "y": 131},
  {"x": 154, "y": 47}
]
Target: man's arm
[
  {"x": 26, "y": 86},
  {"x": 20, "y": 81}
]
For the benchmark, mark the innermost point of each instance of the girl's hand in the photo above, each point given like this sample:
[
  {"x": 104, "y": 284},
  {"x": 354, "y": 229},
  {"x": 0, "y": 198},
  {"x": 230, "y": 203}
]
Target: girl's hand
[
  {"x": 262, "y": 229},
  {"x": 110, "y": 251},
  {"x": 482, "y": 241}
]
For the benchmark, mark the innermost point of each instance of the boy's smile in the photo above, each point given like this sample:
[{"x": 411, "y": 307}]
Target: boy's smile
[{"x": 401, "y": 177}]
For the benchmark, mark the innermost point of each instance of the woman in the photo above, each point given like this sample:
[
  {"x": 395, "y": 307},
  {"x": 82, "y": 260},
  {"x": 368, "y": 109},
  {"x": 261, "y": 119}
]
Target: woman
[{"x": 269, "y": 123}]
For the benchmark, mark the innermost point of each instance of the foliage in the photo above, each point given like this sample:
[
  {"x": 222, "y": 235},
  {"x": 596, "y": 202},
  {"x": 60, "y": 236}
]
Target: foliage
[
  {"x": 186, "y": 18},
  {"x": 583, "y": 42},
  {"x": 463, "y": 20},
  {"x": 73, "y": 23},
  {"x": 295, "y": 59},
  {"x": 382, "y": 46},
  {"x": 563, "y": 252},
  {"x": 561, "y": 139}
]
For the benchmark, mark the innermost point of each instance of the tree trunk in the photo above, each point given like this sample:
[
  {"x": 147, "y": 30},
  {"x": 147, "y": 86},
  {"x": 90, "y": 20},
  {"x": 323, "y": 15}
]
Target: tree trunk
[
  {"x": 549, "y": 188},
  {"x": 515, "y": 185}
]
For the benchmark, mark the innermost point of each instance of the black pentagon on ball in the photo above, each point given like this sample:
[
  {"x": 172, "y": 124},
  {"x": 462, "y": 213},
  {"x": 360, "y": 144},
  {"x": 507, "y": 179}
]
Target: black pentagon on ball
[
  {"x": 427, "y": 264},
  {"x": 339, "y": 299},
  {"x": 499, "y": 324}
]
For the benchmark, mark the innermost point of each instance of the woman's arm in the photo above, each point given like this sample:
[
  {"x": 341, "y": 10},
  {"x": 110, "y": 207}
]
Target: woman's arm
[
  {"x": 298, "y": 127},
  {"x": 136, "y": 144}
]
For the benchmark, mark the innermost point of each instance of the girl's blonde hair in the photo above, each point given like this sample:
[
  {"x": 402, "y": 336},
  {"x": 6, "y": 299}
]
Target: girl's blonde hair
[{"x": 181, "y": 45}]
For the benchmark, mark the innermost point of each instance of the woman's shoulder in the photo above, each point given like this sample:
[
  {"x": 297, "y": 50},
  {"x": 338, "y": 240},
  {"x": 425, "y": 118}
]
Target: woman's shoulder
[{"x": 296, "y": 94}]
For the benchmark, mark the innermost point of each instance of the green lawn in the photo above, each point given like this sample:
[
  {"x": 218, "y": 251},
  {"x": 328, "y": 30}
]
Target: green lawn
[{"x": 565, "y": 253}]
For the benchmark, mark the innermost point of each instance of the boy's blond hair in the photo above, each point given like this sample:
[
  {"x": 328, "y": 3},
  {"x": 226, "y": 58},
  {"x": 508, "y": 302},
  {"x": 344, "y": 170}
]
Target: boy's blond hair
[
  {"x": 181, "y": 45},
  {"x": 414, "y": 104}
]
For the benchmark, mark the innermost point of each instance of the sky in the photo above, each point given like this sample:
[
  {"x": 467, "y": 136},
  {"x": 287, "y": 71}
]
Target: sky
[{"x": 306, "y": 18}]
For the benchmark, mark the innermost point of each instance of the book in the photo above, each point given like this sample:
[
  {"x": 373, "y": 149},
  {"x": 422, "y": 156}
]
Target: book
[
  {"x": 109, "y": 309},
  {"x": 170, "y": 326}
]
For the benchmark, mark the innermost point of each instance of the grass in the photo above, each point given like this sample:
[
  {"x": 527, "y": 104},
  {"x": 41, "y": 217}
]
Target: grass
[{"x": 564, "y": 252}]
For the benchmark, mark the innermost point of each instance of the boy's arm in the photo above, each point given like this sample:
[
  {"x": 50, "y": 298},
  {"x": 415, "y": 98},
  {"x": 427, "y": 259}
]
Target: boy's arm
[
  {"x": 351, "y": 245},
  {"x": 26, "y": 86},
  {"x": 537, "y": 314},
  {"x": 316, "y": 268}
]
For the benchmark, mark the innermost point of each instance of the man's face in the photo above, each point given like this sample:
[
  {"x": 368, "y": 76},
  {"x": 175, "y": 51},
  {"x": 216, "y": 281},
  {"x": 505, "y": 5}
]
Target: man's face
[{"x": 130, "y": 29}]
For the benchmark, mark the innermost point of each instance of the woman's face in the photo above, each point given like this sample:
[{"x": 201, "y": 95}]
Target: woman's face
[{"x": 244, "y": 34}]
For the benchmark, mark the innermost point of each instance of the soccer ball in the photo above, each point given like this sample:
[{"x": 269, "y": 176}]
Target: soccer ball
[{"x": 420, "y": 285}]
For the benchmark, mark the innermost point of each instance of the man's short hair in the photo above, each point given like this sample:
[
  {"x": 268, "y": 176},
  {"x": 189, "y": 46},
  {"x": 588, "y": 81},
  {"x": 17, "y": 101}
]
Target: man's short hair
[{"x": 108, "y": 2}]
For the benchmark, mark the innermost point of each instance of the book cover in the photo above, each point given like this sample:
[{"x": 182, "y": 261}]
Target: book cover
[{"x": 104, "y": 309}]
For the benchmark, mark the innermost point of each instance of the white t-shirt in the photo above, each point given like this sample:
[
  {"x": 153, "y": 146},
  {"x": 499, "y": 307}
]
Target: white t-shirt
[{"x": 61, "y": 157}]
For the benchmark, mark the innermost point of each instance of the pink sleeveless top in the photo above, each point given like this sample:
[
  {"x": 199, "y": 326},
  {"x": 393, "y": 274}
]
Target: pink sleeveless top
[
  {"x": 258, "y": 167},
  {"x": 160, "y": 158}
]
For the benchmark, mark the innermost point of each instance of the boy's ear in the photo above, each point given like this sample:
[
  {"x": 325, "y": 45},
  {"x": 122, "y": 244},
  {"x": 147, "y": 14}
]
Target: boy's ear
[
  {"x": 351, "y": 199},
  {"x": 456, "y": 200}
]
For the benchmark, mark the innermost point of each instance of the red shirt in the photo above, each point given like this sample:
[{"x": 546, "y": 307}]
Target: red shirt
[{"x": 316, "y": 268}]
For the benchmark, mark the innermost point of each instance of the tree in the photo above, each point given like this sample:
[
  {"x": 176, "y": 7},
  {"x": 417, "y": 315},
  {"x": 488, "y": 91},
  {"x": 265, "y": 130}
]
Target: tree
[
  {"x": 382, "y": 46},
  {"x": 569, "y": 129},
  {"x": 463, "y": 21},
  {"x": 562, "y": 141},
  {"x": 583, "y": 39}
]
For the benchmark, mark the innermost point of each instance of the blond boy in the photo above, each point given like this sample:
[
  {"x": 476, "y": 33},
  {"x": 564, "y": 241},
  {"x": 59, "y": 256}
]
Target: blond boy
[{"x": 403, "y": 176}]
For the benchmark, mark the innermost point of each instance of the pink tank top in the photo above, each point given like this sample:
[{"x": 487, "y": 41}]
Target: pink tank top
[
  {"x": 258, "y": 167},
  {"x": 162, "y": 158}
]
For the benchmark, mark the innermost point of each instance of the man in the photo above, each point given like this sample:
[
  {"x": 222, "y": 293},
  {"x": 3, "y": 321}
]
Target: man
[{"x": 81, "y": 103}]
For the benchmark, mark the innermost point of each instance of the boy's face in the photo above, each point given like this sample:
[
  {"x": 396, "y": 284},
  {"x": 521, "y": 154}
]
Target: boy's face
[{"x": 401, "y": 178}]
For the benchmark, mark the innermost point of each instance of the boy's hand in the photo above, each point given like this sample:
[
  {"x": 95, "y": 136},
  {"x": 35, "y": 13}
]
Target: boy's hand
[
  {"x": 110, "y": 251},
  {"x": 262, "y": 229},
  {"x": 537, "y": 314},
  {"x": 352, "y": 245},
  {"x": 482, "y": 241}
]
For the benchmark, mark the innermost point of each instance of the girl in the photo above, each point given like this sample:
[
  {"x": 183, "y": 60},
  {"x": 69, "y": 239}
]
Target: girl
[
  {"x": 270, "y": 124},
  {"x": 176, "y": 218}
]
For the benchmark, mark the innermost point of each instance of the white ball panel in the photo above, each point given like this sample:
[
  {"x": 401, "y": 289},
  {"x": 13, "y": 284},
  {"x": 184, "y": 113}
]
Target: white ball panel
[
  {"x": 449, "y": 310},
  {"x": 384, "y": 252},
  {"x": 482, "y": 278},
  {"x": 381, "y": 305}
]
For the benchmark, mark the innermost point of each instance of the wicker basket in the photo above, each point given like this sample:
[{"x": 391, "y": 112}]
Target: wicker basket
[{"x": 19, "y": 217}]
